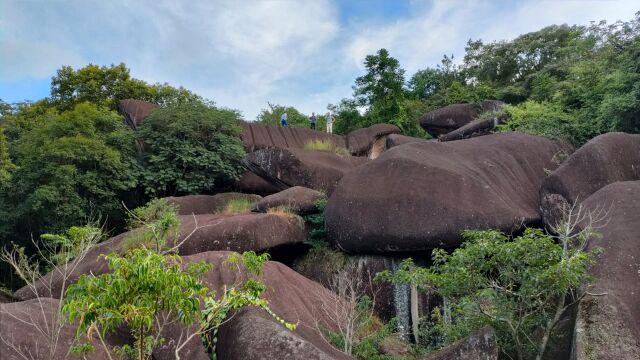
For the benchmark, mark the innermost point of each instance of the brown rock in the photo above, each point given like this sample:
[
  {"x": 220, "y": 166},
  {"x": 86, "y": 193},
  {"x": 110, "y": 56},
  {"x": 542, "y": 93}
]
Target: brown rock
[
  {"x": 251, "y": 183},
  {"x": 258, "y": 136},
  {"x": 608, "y": 326},
  {"x": 449, "y": 118},
  {"x": 477, "y": 127},
  {"x": 207, "y": 204},
  {"x": 394, "y": 140},
  {"x": 422, "y": 195},
  {"x": 135, "y": 111},
  {"x": 244, "y": 232},
  {"x": 253, "y": 334},
  {"x": 364, "y": 142},
  {"x": 318, "y": 170},
  {"x": 23, "y": 329},
  {"x": 479, "y": 346},
  {"x": 603, "y": 160},
  {"x": 299, "y": 200}
]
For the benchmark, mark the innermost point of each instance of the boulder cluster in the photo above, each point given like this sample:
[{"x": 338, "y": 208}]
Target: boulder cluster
[{"x": 389, "y": 196}]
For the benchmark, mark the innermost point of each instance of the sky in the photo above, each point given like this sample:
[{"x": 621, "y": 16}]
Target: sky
[{"x": 244, "y": 54}]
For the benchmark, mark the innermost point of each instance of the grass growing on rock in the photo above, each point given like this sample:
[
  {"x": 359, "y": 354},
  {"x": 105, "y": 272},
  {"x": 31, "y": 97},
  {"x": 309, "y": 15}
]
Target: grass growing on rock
[
  {"x": 327, "y": 146},
  {"x": 236, "y": 206}
]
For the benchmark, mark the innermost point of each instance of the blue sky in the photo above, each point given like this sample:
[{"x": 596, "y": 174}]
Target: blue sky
[{"x": 243, "y": 54}]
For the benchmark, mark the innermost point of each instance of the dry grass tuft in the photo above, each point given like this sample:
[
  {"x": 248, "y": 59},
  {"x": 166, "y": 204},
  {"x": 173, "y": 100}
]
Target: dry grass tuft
[
  {"x": 326, "y": 145},
  {"x": 236, "y": 206}
]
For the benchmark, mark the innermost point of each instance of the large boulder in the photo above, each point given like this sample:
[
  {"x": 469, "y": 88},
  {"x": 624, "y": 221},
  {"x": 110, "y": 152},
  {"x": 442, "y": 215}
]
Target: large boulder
[
  {"x": 394, "y": 140},
  {"x": 318, "y": 170},
  {"x": 422, "y": 195},
  {"x": 251, "y": 183},
  {"x": 258, "y": 136},
  {"x": 207, "y": 204},
  {"x": 608, "y": 325},
  {"x": 370, "y": 141},
  {"x": 198, "y": 233},
  {"x": 35, "y": 330},
  {"x": 299, "y": 200},
  {"x": 477, "y": 127},
  {"x": 253, "y": 333},
  {"x": 603, "y": 160},
  {"x": 135, "y": 111},
  {"x": 449, "y": 118},
  {"x": 481, "y": 345}
]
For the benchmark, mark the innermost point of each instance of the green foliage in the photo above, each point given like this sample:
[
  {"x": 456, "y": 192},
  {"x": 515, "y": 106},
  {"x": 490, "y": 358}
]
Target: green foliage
[
  {"x": 63, "y": 248},
  {"x": 6, "y": 166},
  {"x": 138, "y": 288},
  {"x": 147, "y": 289},
  {"x": 156, "y": 226},
  {"x": 518, "y": 286},
  {"x": 189, "y": 148},
  {"x": 70, "y": 167},
  {"x": 317, "y": 236},
  {"x": 380, "y": 89},
  {"x": 347, "y": 117},
  {"x": 544, "y": 119},
  {"x": 105, "y": 85}
]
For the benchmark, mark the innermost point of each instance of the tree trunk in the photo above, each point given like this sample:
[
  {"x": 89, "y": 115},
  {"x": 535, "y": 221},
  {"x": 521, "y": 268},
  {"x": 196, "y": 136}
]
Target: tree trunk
[{"x": 415, "y": 317}]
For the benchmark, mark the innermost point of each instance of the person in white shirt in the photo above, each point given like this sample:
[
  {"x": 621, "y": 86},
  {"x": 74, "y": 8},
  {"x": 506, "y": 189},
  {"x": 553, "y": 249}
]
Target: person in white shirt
[{"x": 329, "y": 123}]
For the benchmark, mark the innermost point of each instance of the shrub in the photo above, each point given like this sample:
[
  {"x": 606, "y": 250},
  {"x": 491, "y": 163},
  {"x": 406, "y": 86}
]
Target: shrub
[
  {"x": 189, "y": 148},
  {"x": 520, "y": 286},
  {"x": 543, "y": 119}
]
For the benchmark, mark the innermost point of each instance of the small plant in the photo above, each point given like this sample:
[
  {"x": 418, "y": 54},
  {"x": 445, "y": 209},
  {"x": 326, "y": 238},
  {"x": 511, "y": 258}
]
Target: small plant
[
  {"x": 61, "y": 255},
  {"x": 135, "y": 292},
  {"x": 327, "y": 146},
  {"x": 317, "y": 237},
  {"x": 154, "y": 225},
  {"x": 236, "y": 206},
  {"x": 282, "y": 211}
]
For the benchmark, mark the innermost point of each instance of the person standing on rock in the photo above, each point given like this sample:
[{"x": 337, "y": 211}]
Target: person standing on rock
[
  {"x": 329, "y": 123},
  {"x": 283, "y": 120},
  {"x": 312, "y": 121}
]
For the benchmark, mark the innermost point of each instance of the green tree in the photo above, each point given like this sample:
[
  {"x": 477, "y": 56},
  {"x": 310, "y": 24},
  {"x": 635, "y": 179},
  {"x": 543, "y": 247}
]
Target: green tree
[
  {"x": 520, "y": 286},
  {"x": 6, "y": 166},
  {"x": 347, "y": 117},
  {"x": 380, "y": 90},
  {"x": 73, "y": 167},
  {"x": 105, "y": 85},
  {"x": 189, "y": 148}
]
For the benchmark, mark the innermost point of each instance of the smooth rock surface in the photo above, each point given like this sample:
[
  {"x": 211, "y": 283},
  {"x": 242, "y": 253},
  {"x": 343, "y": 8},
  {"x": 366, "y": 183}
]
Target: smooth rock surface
[
  {"x": 608, "y": 326},
  {"x": 299, "y": 200},
  {"x": 420, "y": 196}
]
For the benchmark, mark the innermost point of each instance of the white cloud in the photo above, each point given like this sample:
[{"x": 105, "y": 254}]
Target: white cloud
[
  {"x": 244, "y": 53},
  {"x": 444, "y": 26}
]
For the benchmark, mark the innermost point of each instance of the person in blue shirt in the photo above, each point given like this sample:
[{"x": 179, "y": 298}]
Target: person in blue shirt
[{"x": 283, "y": 120}]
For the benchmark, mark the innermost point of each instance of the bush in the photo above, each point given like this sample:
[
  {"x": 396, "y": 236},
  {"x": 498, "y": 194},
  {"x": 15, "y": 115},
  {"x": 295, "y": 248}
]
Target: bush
[
  {"x": 189, "y": 149},
  {"x": 521, "y": 286},
  {"x": 543, "y": 119}
]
